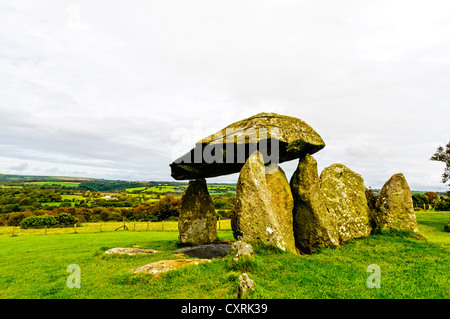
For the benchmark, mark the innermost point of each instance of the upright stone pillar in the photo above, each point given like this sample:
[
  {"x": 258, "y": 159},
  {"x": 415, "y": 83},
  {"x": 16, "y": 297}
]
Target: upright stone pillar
[
  {"x": 343, "y": 192},
  {"x": 394, "y": 206},
  {"x": 314, "y": 227},
  {"x": 264, "y": 203},
  {"x": 197, "y": 223}
]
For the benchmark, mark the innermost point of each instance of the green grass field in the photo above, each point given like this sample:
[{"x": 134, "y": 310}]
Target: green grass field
[
  {"x": 87, "y": 228},
  {"x": 35, "y": 266},
  {"x": 213, "y": 189},
  {"x": 65, "y": 184}
]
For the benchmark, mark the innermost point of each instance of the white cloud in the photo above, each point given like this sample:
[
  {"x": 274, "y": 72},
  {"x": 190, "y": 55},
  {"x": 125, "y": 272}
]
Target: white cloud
[{"x": 103, "y": 87}]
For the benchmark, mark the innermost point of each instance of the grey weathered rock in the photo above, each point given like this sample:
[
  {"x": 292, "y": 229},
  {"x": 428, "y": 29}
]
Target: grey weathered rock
[
  {"x": 246, "y": 285},
  {"x": 222, "y": 153},
  {"x": 343, "y": 193},
  {"x": 130, "y": 251},
  {"x": 242, "y": 249},
  {"x": 197, "y": 222},
  {"x": 314, "y": 226},
  {"x": 162, "y": 266},
  {"x": 207, "y": 251},
  {"x": 394, "y": 206},
  {"x": 264, "y": 204}
]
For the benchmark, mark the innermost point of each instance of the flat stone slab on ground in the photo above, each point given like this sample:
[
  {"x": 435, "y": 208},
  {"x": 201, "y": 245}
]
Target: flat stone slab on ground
[
  {"x": 207, "y": 251},
  {"x": 162, "y": 266},
  {"x": 130, "y": 251}
]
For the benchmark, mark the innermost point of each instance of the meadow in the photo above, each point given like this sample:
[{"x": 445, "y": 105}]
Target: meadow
[
  {"x": 62, "y": 184},
  {"x": 98, "y": 227},
  {"x": 34, "y": 266}
]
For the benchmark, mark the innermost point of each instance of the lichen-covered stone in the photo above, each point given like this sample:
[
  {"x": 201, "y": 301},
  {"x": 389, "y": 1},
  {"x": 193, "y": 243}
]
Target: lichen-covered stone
[
  {"x": 163, "y": 266},
  {"x": 343, "y": 193},
  {"x": 242, "y": 249},
  {"x": 314, "y": 226},
  {"x": 394, "y": 206},
  {"x": 197, "y": 222},
  {"x": 291, "y": 137},
  {"x": 264, "y": 204},
  {"x": 246, "y": 285},
  {"x": 130, "y": 251}
]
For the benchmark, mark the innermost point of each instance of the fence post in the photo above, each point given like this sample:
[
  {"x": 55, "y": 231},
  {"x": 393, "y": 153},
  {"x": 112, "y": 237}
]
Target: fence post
[
  {"x": 75, "y": 228},
  {"x": 45, "y": 230}
]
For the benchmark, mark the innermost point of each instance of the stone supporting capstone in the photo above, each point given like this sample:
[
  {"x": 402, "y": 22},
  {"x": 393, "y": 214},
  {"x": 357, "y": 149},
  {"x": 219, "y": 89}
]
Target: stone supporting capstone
[
  {"x": 197, "y": 223},
  {"x": 263, "y": 210},
  {"x": 314, "y": 226}
]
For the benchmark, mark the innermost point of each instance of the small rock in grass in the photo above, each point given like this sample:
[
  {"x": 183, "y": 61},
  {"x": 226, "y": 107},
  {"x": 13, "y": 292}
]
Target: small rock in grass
[
  {"x": 162, "y": 266},
  {"x": 245, "y": 286},
  {"x": 242, "y": 249},
  {"x": 130, "y": 251}
]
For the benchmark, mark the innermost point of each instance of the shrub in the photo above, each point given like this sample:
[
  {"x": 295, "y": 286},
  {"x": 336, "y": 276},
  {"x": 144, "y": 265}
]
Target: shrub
[
  {"x": 38, "y": 222},
  {"x": 114, "y": 216},
  {"x": 420, "y": 200},
  {"x": 66, "y": 220},
  {"x": 14, "y": 219},
  {"x": 443, "y": 205},
  {"x": 167, "y": 206},
  {"x": 224, "y": 213}
]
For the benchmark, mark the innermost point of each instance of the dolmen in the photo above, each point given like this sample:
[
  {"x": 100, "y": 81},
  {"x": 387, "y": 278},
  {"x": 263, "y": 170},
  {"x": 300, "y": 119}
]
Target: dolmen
[{"x": 298, "y": 215}]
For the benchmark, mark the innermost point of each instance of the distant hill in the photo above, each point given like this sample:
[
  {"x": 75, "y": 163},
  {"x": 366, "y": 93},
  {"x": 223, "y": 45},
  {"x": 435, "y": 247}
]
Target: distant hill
[
  {"x": 97, "y": 184},
  {"x": 104, "y": 185},
  {"x": 37, "y": 178}
]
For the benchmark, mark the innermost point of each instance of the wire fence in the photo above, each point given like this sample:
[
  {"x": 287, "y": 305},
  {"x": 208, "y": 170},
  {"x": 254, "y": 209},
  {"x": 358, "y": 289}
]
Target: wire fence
[{"x": 99, "y": 227}]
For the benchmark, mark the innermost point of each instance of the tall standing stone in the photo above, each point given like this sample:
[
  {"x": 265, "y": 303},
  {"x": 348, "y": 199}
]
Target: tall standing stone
[
  {"x": 197, "y": 223},
  {"x": 394, "y": 206},
  {"x": 343, "y": 192},
  {"x": 264, "y": 204},
  {"x": 314, "y": 227}
]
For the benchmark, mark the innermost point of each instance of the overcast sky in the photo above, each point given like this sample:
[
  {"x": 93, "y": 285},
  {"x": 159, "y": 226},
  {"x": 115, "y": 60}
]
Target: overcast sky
[{"x": 120, "y": 89}]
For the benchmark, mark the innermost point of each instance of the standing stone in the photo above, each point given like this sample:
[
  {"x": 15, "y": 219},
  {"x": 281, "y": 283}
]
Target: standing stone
[
  {"x": 343, "y": 192},
  {"x": 394, "y": 206},
  {"x": 314, "y": 227},
  {"x": 264, "y": 204},
  {"x": 246, "y": 285},
  {"x": 197, "y": 223}
]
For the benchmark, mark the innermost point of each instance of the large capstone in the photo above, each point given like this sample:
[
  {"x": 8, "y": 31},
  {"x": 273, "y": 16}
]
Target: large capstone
[
  {"x": 314, "y": 226},
  {"x": 197, "y": 222},
  {"x": 394, "y": 206},
  {"x": 264, "y": 203},
  {"x": 278, "y": 138},
  {"x": 343, "y": 192}
]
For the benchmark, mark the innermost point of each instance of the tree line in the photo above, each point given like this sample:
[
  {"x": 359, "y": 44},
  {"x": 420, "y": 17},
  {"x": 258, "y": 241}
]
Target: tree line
[{"x": 17, "y": 204}]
